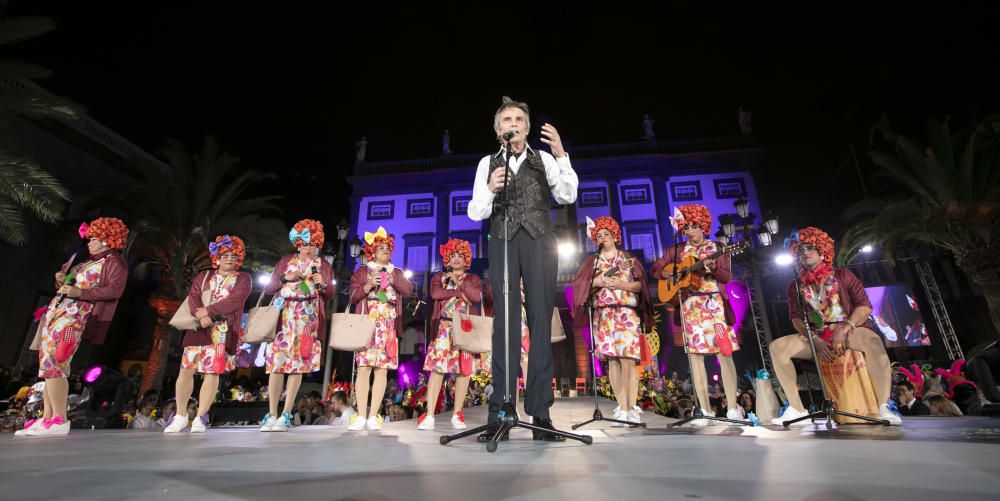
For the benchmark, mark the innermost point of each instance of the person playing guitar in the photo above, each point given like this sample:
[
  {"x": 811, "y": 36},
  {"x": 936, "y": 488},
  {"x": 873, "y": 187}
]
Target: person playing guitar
[{"x": 702, "y": 308}]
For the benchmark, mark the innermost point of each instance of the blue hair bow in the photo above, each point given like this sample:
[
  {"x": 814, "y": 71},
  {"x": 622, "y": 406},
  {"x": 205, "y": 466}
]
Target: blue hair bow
[{"x": 299, "y": 235}]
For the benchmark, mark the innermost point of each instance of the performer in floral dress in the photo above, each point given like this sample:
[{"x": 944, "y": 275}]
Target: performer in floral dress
[
  {"x": 455, "y": 292},
  {"x": 702, "y": 313},
  {"x": 377, "y": 289},
  {"x": 302, "y": 283},
  {"x": 87, "y": 294},
  {"x": 211, "y": 349},
  {"x": 621, "y": 306}
]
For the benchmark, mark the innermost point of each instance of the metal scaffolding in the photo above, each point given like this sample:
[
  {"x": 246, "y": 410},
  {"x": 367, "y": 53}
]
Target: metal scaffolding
[{"x": 938, "y": 309}]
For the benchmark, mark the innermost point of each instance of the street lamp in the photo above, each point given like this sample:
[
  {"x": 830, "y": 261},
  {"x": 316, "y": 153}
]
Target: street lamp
[
  {"x": 742, "y": 207},
  {"x": 338, "y": 271},
  {"x": 721, "y": 237},
  {"x": 764, "y": 237},
  {"x": 771, "y": 224}
]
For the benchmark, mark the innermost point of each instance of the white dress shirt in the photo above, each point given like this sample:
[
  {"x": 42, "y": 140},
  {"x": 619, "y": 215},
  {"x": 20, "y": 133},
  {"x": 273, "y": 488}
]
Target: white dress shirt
[{"x": 562, "y": 179}]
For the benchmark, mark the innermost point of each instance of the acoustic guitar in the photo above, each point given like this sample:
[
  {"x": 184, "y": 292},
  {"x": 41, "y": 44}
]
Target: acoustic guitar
[{"x": 667, "y": 288}]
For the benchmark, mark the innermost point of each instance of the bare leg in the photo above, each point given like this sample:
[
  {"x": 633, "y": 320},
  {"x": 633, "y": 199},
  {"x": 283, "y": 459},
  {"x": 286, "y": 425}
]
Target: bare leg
[
  {"x": 209, "y": 385},
  {"x": 729, "y": 380},
  {"x": 46, "y": 401},
  {"x": 361, "y": 385},
  {"x": 59, "y": 388},
  {"x": 615, "y": 378},
  {"x": 629, "y": 383},
  {"x": 783, "y": 350},
  {"x": 275, "y": 383},
  {"x": 879, "y": 367},
  {"x": 699, "y": 379},
  {"x": 461, "y": 390},
  {"x": 433, "y": 388},
  {"x": 183, "y": 389},
  {"x": 294, "y": 382},
  {"x": 378, "y": 390}
]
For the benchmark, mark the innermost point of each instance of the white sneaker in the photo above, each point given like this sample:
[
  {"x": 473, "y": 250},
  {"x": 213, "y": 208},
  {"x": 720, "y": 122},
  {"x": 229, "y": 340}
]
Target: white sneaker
[
  {"x": 54, "y": 427},
  {"x": 34, "y": 423},
  {"x": 708, "y": 422},
  {"x": 284, "y": 423},
  {"x": 736, "y": 414},
  {"x": 633, "y": 416},
  {"x": 177, "y": 423},
  {"x": 637, "y": 409},
  {"x": 357, "y": 423},
  {"x": 618, "y": 415},
  {"x": 198, "y": 426},
  {"x": 375, "y": 423},
  {"x": 427, "y": 423},
  {"x": 791, "y": 413},
  {"x": 267, "y": 424},
  {"x": 458, "y": 421},
  {"x": 888, "y": 415}
]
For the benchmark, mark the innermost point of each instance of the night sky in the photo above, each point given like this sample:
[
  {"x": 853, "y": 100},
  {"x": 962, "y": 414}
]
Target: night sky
[{"x": 290, "y": 89}]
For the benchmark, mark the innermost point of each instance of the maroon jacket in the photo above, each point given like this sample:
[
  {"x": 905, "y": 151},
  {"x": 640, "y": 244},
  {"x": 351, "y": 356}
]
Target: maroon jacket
[
  {"x": 723, "y": 274},
  {"x": 114, "y": 275},
  {"x": 849, "y": 287},
  {"x": 581, "y": 291},
  {"x": 231, "y": 307},
  {"x": 472, "y": 287},
  {"x": 357, "y": 293},
  {"x": 325, "y": 270}
]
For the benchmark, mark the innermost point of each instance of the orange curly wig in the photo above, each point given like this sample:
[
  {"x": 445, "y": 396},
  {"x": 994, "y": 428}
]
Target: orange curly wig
[
  {"x": 110, "y": 230},
  {"x": 236, "y": 246},
  {"x": 370, "y": 248},
  {"x": 817, "y": 237},
  {"x": 606, "y": 223},
  {"x": 316, "y": 235},
  {"x": 697, "y": 214},
  {"x": 456, "y": 246}
]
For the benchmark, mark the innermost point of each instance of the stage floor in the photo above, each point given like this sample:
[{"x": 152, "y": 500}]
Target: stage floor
[{"x": 926, "y": 458}]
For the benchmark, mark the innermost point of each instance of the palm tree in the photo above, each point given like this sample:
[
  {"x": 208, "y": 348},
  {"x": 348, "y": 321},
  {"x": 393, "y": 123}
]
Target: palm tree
[
  {"x": 951, "y": 192},
  {"x": 23, "y": 184},
  {"x": 177, "y": 208}
]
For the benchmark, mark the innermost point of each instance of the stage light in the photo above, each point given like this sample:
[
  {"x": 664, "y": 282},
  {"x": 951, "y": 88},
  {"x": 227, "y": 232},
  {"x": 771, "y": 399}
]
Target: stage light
[
  {"x": 567, "y": 249},
  {"x": 333, "y": 282},
  {"x": 715, "y": 377},
  {"x": 263, "y": 279},
  {"x": 92, "y": 374},
  {"x": 408, "y": 274},
  {"x": 784, "y": 259},
  {"x": 867, "y": 248}
]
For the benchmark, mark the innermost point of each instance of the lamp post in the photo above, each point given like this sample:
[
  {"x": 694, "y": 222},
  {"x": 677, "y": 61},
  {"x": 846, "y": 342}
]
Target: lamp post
[
  {"x": 338, "y": 279},
  {"x": 758, "y": 238}
]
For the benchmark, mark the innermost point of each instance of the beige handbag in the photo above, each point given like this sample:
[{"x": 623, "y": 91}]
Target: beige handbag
[
  {"x": 262, "y": 322},
  {"x": 183, "y": 320},
  {"x": 558, "y": 333},
  {"x": 351, "y": 331},
  {"x": 479, "y": 339},
  {"x": 36, "y": 342}
]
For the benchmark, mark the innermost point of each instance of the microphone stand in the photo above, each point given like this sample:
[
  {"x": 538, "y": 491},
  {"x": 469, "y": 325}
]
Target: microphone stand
[
  {"x": 829, "y": 409},
  {"x": 507, "y": 418},
  {"x": 697, "y": 413},
  {"x": 593, "y": 352}
]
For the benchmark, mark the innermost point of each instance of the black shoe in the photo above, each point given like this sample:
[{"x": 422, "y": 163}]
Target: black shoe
[
  {"x": 541, "y": 435},
  {"x": 486, "y": 436}
]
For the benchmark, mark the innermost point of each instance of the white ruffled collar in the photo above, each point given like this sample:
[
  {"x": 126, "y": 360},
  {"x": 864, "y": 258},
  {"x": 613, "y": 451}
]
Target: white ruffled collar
[{"x": 372, "y": 266}]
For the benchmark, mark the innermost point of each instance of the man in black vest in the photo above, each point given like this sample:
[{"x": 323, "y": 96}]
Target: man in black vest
[{"x": 532, "y": 255}]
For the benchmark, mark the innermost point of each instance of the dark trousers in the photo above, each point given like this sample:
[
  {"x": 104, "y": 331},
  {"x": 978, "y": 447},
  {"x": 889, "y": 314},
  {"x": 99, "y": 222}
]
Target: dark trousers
[{"x": 536, "y": 261}]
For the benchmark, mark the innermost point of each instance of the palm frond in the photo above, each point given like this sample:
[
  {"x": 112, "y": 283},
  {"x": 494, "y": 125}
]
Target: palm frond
[
  {"x": 38, "y": 103},
  {"x": 18, "y": 70}
]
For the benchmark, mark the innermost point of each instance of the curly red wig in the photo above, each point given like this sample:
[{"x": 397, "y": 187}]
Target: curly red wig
[
  {"x": 369, "y": 248},
  {"x": 606, "y": 223},
  {"x": 818, "y": 238},
  {"x": 316, "y": 235},
  {"x": 456, "y": 246},
  {"x": 228, "y": 243},
  {"x": 697, "y": 214},
  {"x": 110, "y": 230}
]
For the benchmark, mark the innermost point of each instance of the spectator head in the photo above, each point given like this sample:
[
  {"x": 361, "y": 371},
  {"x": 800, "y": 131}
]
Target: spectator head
[
  {"x": 169, "y": 408},
  {"x": 339, "y": 401},
  {"x": 941, "y": 406},
  {"x": 905, "y": 392},
  {"x": 314, "y": 396}
]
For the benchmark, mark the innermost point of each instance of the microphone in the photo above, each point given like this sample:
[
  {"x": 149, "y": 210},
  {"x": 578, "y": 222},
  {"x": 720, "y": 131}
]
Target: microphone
[
  {"x": 71, "y": 281},
  {"x": 507, "y": 136},
  {"x": 316, "y": 272}
]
